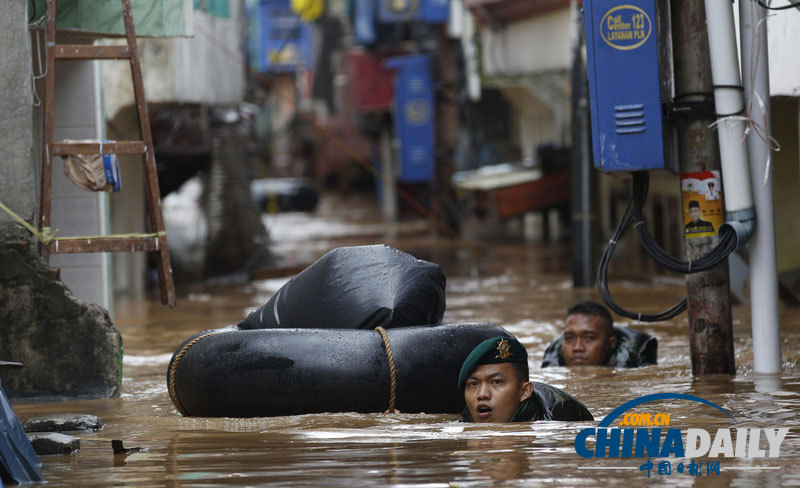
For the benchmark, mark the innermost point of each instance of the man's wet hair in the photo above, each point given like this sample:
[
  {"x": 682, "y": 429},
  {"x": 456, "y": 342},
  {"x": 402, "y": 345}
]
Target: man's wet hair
[
  {"x": 521, "y": 371},
  {"x": 593, "y": 309}
]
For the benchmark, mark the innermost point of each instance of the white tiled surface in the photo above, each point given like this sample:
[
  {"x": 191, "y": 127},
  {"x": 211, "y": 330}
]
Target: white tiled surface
[
  {"x": 75, "y": 212},
  {"x": 83, "y": 280}
]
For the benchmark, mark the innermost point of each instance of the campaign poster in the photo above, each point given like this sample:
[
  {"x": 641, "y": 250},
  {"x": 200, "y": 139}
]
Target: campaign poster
[{"x": 702, "y": 203}]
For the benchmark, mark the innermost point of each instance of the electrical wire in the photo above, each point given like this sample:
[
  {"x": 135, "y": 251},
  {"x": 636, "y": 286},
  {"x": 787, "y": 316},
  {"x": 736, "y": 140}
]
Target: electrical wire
[
  {"x": 633, "y": 215},
  {"x": 602, "y": 275},
  {"x": 782, "y": 7}
]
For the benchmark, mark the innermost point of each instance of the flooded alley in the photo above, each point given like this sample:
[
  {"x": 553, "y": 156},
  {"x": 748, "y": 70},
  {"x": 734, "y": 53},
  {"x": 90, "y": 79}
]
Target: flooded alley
[
  {"x": 522, "y": 287},
  {"x": 169, "y": 167}
]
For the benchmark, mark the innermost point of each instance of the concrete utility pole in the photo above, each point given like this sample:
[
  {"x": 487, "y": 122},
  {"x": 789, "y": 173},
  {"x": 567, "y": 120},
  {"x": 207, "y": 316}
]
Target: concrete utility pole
[{"x": 709, "y": 307}]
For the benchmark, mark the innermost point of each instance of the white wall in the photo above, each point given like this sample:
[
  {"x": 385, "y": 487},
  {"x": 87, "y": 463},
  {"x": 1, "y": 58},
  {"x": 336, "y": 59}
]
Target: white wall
[
  {"x": 537, "y": 44},
  {"x": 533, "y": 120},
  {"x": 783, "y": 38},
  {"x": 207, "y": 68},
  {"x": 783, "y": 32},
  {"x": 530, "y": 62}
]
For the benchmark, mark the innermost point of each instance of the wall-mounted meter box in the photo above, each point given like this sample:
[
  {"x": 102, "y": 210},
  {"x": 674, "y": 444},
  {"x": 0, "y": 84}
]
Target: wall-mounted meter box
[
  {"x": 629, "y": 64},
  {"x": 414, "y": 116}
]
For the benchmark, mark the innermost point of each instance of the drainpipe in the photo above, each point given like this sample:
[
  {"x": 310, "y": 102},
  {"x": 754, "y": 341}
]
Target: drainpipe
[
  {"x": 729, "y": 102},
  {"x": 763, "y": 260}
]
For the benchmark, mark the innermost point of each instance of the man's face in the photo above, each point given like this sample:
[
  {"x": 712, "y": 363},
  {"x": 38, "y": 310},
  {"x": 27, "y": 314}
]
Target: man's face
[
  {"x": 694, "y": 213},
  {"x": 586, "y": 342},
  {"x": 493, "y": 392}
]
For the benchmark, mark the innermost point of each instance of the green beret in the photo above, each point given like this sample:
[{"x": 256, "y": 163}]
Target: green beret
[{"x": 492, "y": 351}]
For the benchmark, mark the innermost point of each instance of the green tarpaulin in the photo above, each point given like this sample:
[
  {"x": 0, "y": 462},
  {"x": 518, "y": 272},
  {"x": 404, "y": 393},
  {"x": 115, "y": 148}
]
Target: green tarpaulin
[
  {"x": 217, "y": 8},
  {"x": 152, "y": 18}
]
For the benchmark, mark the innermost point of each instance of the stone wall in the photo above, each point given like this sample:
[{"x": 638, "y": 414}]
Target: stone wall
[
  {"x": 16, "y": 117},
  {"x": 70, "y": 349}
]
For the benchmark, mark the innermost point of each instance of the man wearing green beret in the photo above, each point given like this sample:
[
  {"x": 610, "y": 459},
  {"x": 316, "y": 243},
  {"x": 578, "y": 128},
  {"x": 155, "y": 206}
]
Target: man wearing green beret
[{"x": 494, "y": 380}]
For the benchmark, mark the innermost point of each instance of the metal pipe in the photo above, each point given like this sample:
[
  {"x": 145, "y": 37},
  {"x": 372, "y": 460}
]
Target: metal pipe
[
  {"x": 388, "y": 178},
  {"x": 582, "y": 213},
  {"x": 729, "y": 104},
  {"x": 763, "y": 260}
]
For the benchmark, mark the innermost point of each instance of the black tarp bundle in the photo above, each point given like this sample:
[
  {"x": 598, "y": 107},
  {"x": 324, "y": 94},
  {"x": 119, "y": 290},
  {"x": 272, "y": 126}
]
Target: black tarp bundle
[{"x": 358, "y": 287}]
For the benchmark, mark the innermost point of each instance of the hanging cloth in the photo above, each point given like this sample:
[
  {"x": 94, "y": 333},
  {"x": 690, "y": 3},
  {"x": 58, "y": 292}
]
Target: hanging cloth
[{"x": 93, "y": 172}]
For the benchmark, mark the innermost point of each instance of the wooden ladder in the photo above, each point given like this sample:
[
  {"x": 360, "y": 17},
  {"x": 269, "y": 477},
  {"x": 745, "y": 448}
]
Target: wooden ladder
[{"x": 155, "y": 242}]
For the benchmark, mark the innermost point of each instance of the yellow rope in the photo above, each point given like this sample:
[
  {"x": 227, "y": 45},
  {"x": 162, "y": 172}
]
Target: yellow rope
[
  {"x": 392, "y": 370},
  {"x": 20, "y": 220},
  {"x": 114, "y": 236},
  {"x": 173, "y": 394},
  {"x": 47, "y": 237}
]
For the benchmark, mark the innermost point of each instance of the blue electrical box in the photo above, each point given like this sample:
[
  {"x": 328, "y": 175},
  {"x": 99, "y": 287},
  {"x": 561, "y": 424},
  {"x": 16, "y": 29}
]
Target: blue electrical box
[
  {"x": 626, "y": 85},
  {"x": 436, "y": 11},
  {"x": 413, "y": 116},
  {"x": 431, "y": 11},
  {"x": 277, "y": 39}
]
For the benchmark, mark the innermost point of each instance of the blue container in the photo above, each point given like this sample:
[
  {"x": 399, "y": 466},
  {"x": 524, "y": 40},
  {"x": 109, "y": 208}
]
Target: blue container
[
  {"x": 624, "y": 85},
  {"x": 277, "y": 39},
  {"x": 364, "y": 22},
  {"x": 413, "y": 116},
  {"x": 432, "y": 11}
]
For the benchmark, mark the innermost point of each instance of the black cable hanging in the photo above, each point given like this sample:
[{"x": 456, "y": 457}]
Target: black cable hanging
[
  {"x": 633, "y": 215},
  {"x": 602, "y": 276},
  {"x": 782, "y": 7}
]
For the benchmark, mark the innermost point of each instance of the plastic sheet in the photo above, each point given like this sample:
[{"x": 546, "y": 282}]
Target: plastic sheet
[
  {"x": 20, "y": 463},
  {"x": 357, "y": 288}
]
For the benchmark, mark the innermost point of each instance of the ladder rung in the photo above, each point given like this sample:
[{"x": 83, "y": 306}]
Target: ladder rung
[
  {"x": 88, "y": 51},
  {"x": 116, "y": 147},
  {"x": 114, "y": 244}
]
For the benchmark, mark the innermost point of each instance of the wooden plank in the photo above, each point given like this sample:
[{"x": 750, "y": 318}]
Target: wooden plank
[
  {"x": 115, "y": 244},
  {"x": 85, "y": 147},
  {"x": 165, "y": 282},
  {"x": 88, "y": 51},
  {"x": 47, "y": 145},
  {"x": 489, "y": 182},
  {"x": 541, "y": 194}
]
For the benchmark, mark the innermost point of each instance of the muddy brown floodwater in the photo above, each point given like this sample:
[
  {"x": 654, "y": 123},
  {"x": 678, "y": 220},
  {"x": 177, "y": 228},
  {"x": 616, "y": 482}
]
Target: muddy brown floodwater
[{"x": 523, "y": 287}]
